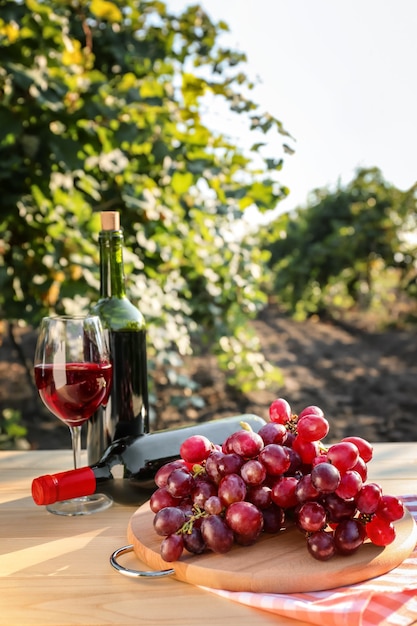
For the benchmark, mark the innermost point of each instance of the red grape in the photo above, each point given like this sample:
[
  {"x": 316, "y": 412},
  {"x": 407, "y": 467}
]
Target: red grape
[
  {"x": 202, "y": 490},
  {"x": 226, "y": 446},
  {"x": 368, "y": 498},
  {"x": 216, "y": 534},
  {"x": 364, "y": 447},
  {"x": 325, "y": 477},
  {"x": 213, "y": 505},
  {"x": 283, "y": 492},
  {"x": 163, "y": 472},
  {"x": 273, "y": 432},
  {"x": 308, "y": 450},
  {"x": 213, "y": 464},
  {"x": 253, "y": 472},
  {"x": 320, "y": 458},
  {"x": 230, "y": 464},
  {"x": 193, "y": 541},
  {"x": 168, "y": 520},
  {"x": 274, "y": 518},
  {"x": 195, "y": 449},
  {"x": 337, "y": 508},
  {"x": 321, "y": 545},
  {"x": 350, "y": 485},
  {"x": 232, "y": 488},
  {"x": 343, "y": 455},
  {"x": 305, "y": 489},
  {"x": 311, "y": 410},
  {"x": 390, "y": 508},
  {"x": 161, "y": 498},
  {"x": 380, "y": 531},
  {"x": 246, "y": 443},
  {"x": 180, "y": 483},
  {"x": 280, "y": 411},
  {"x": 312, "y": 427},
  {"x": 244, "y": 518},
  {"x": 259, "y": 495},
  {"x": 295, "y": 461},
  {"x": 289, "y": 439},
  {"x": 275, "y": 458},
  {"x": 172, "y": 547},
  {"x": 311, "y": 516},
  {"x": 361, "y": 468},
  {"x": 349, "y": 536}
]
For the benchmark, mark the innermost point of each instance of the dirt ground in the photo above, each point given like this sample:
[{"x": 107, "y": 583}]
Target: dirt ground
[{"x": 364, "y": 380}]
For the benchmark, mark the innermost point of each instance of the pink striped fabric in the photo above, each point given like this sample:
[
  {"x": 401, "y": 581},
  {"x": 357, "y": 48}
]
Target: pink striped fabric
[{"x": 387, "y": 599}]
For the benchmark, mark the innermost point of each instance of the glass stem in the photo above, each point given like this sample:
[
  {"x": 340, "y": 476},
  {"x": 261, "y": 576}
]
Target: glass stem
[{"x": 76, "y": 445}]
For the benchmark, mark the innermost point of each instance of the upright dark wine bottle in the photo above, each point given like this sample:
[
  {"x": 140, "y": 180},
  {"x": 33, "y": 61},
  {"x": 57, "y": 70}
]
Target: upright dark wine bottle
[
  {"x": 127, "y": 469},
  {"x": 126, "y": 413}
]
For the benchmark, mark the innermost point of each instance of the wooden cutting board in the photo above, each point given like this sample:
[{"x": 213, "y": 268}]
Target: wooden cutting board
[{"x": 276, "y": 563}]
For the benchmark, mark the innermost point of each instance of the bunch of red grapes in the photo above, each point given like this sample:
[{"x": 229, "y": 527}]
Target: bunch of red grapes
[{"x": 283, "y": 475}]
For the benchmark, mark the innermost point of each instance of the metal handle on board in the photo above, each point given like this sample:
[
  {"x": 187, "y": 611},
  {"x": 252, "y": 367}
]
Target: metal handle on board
[{"x": 134, "y": 573}]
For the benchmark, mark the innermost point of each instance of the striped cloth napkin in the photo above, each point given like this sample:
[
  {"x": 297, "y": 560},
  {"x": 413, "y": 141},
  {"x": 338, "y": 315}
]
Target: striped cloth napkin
[{"x": 387, "y": 599}]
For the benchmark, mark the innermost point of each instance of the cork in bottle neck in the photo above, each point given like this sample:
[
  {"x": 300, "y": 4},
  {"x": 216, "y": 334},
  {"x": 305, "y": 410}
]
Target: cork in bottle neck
[{"x": 110, "y": 220}]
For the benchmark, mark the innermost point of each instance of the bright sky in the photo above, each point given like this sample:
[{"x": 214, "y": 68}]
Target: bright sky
[{"x": 341, "y": 77}]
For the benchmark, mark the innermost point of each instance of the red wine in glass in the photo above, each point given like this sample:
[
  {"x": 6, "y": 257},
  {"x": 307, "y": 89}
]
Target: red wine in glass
[
  {"x": 73, "y": 374},
  {"x": 73, "y": 392}
]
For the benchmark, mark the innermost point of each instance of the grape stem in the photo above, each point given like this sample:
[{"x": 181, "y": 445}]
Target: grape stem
[
  {"x": 291, "y": 425},
  {"x": 187, "y": 527},
  {"x": 364, "y": 518},
  {"x": 198, "y": 469}
]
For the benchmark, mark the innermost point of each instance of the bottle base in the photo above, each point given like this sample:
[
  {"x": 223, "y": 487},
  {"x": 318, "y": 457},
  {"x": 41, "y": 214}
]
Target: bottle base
[{"x": 87, "y": 505}]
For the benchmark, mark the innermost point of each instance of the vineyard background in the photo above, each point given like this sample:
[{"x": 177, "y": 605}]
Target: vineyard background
[
  {"x": 105, "y": 109},
  {"x": 363, "y": 378}
]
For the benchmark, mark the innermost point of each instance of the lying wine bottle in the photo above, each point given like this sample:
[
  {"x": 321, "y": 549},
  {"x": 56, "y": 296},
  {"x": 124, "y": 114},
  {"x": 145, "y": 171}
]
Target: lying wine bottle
[{"x": 127, "y": 469}]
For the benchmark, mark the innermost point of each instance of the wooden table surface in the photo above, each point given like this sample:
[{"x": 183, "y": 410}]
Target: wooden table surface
[{"x": 55, "y": 570}]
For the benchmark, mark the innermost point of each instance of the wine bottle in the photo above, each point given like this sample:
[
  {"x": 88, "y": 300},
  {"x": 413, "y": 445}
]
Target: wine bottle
[
  {"x": 127, "y": 469},
  {"x": 126, "y": 413}
]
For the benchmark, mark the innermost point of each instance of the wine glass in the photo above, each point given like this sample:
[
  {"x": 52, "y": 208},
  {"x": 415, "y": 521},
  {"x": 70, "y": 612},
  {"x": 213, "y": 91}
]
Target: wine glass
[{"x": 73, "y": 374}]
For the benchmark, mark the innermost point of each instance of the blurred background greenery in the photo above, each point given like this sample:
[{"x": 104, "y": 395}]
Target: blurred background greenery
[{"x": 102, "y": 107}]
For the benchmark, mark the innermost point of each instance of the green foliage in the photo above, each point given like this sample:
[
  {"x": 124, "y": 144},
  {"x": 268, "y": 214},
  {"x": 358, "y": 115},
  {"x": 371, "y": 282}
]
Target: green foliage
[
  {"x": 330, "y": 253},
  {"x": 12, "y": 433},
  {"x": 102, "y": 108}
]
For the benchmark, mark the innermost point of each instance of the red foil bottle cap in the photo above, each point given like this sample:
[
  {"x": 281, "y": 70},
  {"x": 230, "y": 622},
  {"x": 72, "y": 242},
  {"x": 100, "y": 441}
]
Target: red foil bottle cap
[{"x": 63, "y": 486}]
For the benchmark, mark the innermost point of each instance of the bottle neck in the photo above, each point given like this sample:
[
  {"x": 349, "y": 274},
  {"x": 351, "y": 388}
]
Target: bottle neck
[{"x": 112, "y": 279}]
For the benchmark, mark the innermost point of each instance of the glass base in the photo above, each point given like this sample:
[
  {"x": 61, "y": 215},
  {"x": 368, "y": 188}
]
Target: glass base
[{"x": 81, "y": 506}]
